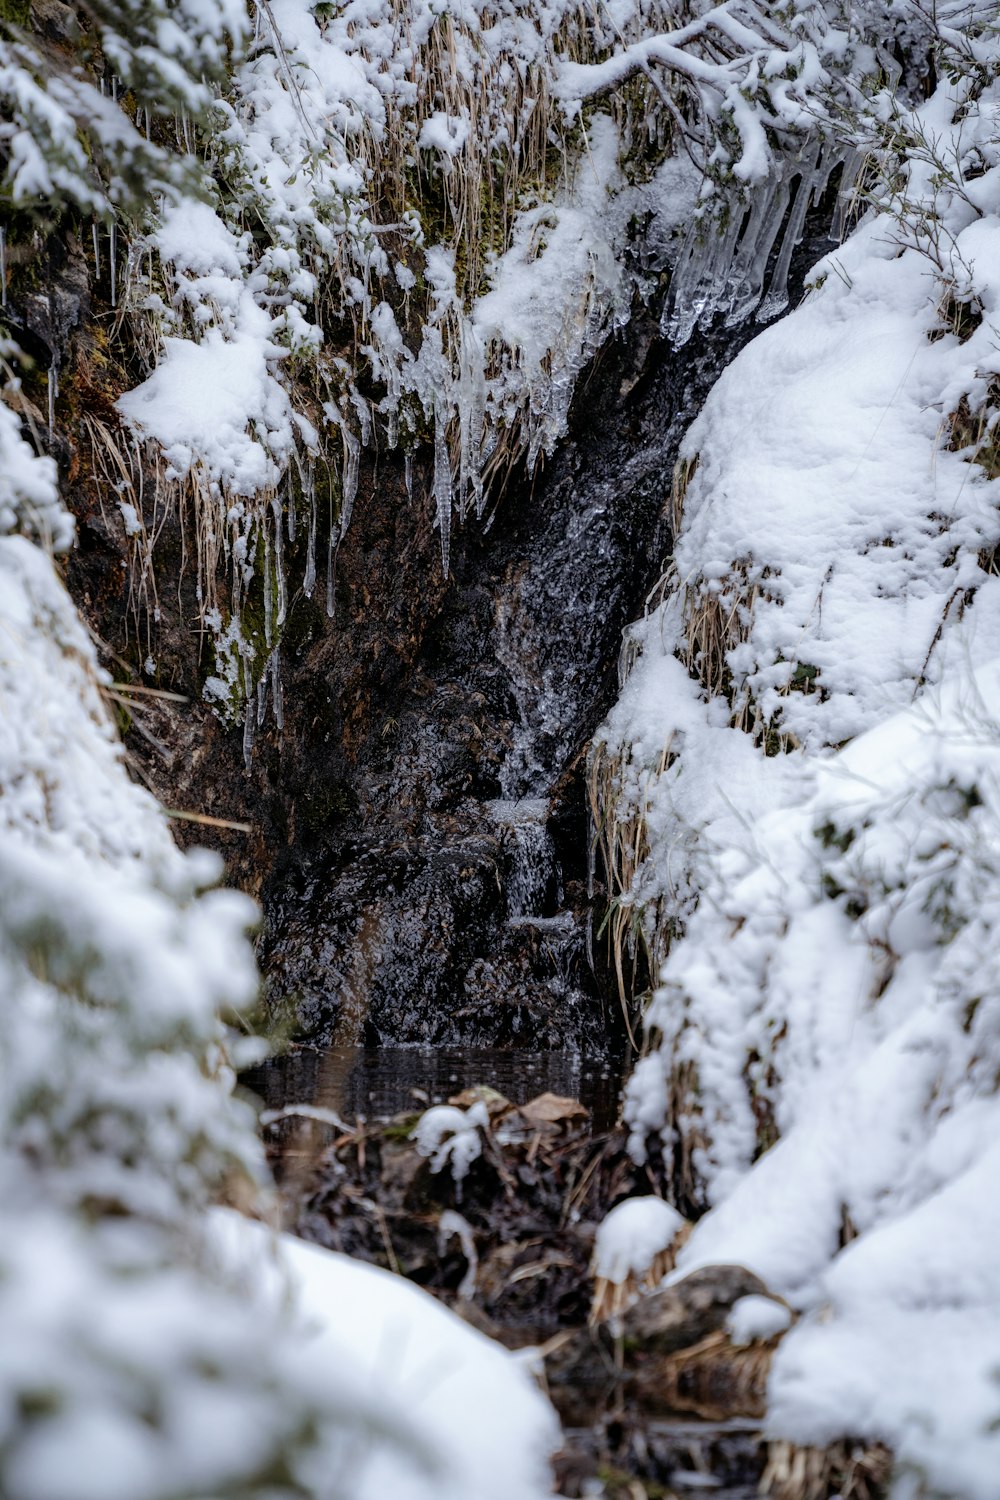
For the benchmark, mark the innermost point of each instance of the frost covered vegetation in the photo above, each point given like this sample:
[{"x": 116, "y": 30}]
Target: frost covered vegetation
[
  {"x": 399, "y": 223},
  {"x": 800, "y": 802},
  {"x": 326, "y": 226}
]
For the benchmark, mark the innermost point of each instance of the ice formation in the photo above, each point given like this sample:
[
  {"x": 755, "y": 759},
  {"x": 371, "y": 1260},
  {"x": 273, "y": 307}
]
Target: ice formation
[
  {"x": 440, "y": 199},
  {"x": 450, "y": 1136}
]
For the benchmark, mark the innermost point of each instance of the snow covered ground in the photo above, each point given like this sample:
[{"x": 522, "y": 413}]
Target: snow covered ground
[
  {"x": 806, "y": 752},
  {"x": 151, "y": 1351},
  {"x": 474, "y": 1410}
]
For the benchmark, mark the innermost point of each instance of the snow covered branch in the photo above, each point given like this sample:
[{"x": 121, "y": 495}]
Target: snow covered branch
[{"x": 750, "y": 74}]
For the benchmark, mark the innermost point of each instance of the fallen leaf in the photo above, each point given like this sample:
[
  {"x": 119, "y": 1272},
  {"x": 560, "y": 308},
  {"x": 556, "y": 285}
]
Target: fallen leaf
[{"x": 549, "y": 1109}]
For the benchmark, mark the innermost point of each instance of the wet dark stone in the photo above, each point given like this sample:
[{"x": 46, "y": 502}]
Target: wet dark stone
[
  {"x": 418, "y": 832},
  {"x": 389, "y": 918},
  {"x": 677, "y": 1316}
]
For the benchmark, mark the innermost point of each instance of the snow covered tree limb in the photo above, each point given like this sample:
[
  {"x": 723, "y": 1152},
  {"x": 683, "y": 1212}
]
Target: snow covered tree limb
[
  {"x": 749, "y": 73},
  {"x": 65, "y": 140}
]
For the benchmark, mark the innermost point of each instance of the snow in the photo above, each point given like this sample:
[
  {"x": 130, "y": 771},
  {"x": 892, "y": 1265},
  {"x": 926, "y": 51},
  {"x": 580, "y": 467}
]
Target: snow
[
  {"x": 150, "y": 1345},
  {"x": 485, "y": 1428},
  {"x": 632, "y": 1235},
  {"x": 29, "y": 498},
  {"x": 449, "y": 1135},
  {"x": 753, "y": 1318},
  {"x": 201, "y": 398},
  {"x": 804, "y": 752}
]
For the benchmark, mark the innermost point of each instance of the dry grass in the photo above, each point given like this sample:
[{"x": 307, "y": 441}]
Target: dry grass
[
  {"x": 716, "y": 1380},
  {"x": 846, "y": 1471},
  {"x": 630, "y": 926},
  {"x": 977, "y": 433},
  {"x": 611, "y": 1299}
]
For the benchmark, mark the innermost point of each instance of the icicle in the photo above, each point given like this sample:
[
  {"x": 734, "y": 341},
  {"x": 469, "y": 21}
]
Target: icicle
[
  {"x": 3, "y": 266},
  {"x": 261, "y": 697},
  {"x": 113, "y": 256},
  {"x": 777, "y": 294},
  {"x": 329, "y": 576},
  {"x": 853, "y": 167},
  {"x": 349, "y": 482},
  {"x": 248, "y": 730},
  {"x": 53, "y": 393},
  {"x": 442, "y": 484},
  {"x": 97, "y": 249},
  {"x": 408, "y": 474},
  {"x": 471, "y": 418},
  {"x": 276, "y": 694},
  {"x": 279, "y": 563},
  {"x": 329, "y": 564},
  {"x": 268, "y": 588},
  {"x": 755, "y": 253},
  {"x": 309, "y": 581}
]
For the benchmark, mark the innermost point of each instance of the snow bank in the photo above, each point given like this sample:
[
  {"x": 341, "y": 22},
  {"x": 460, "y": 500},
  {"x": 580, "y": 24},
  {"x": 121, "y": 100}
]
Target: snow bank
[
  {"x": 486, "y": 1431},
  {"x": 805, "y": 755},
  {"x": 139, "y": 1361}
]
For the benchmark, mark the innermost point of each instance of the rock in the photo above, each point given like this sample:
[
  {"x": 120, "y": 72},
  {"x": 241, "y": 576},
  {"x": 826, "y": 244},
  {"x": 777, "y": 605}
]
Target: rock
[
  {"x": 672, "y": 1356},
  {"x": 678, "y": 1316}
]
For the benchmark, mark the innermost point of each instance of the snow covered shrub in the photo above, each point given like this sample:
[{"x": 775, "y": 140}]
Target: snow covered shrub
[
  {"x": 134, "y": 1363},
  {"x": 65, "y": 140},
  {"x": 804, "y": 755}
]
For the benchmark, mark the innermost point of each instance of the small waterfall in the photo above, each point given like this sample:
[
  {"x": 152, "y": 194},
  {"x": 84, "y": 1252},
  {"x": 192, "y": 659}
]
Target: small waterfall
[{"x": 534, "y": 876}]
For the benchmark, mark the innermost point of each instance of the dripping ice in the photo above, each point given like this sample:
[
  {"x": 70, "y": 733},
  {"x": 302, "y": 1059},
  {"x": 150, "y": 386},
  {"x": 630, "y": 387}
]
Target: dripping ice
[{"x": 724, "y": 273}]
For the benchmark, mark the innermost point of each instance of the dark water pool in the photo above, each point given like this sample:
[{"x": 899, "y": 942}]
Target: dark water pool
[{"x": 380, "y": 1082}]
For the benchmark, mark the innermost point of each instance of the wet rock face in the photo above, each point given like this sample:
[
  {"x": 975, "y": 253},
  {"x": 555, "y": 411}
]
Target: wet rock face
[
  {"x": 442, "y": 899},
  {"x": 417, "y": 831}
]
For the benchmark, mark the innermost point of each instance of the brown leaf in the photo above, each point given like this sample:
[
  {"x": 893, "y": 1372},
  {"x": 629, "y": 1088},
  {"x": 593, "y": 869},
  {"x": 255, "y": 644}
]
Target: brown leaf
[{"x": 549, "y": 1109}]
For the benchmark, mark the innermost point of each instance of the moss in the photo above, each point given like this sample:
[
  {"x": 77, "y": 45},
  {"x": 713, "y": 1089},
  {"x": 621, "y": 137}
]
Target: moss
[
  {"x": 15, "y": 12},
  {"x": 619, "y": 1484},
  {"x": 400, "y": 1129},
  {"x": 329, "y": 804},
  {"x": 804, "y": 677}
]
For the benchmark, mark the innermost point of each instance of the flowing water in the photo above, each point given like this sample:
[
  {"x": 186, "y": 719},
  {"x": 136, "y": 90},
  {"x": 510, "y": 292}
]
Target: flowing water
[{"x": 441, "y": 934}]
